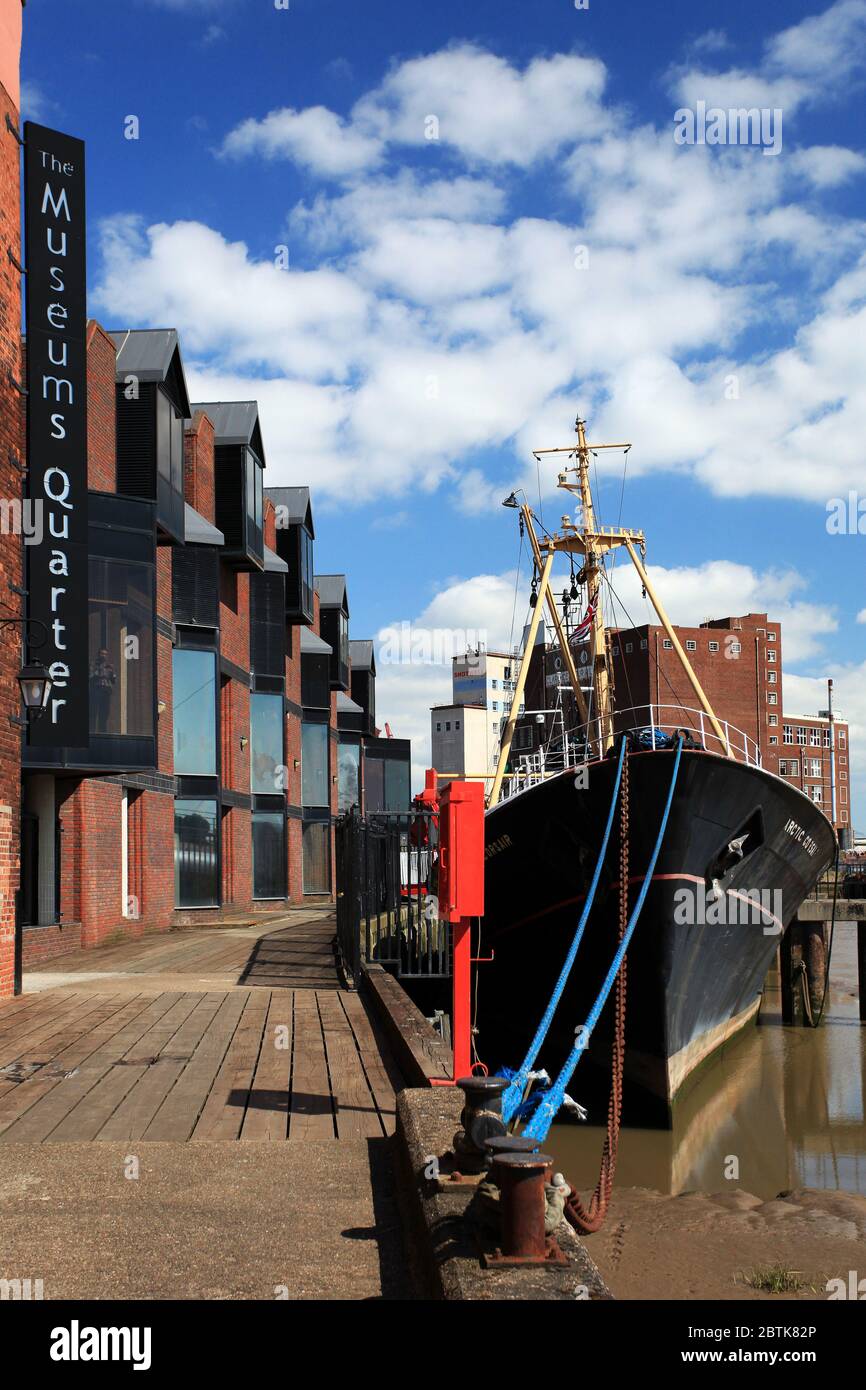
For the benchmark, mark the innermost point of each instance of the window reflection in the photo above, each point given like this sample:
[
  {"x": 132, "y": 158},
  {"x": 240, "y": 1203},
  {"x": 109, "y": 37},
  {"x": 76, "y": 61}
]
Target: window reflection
[
  {"x": 314, "y": 764},
  {"x": 194, "y": 689},
  {"x": 348, "y": 765},
  {"x": 269, "y": 854},
  {"x": 317, "y": 857},
  {"x": 196, "y": 856},
  {"x": 266, "y": 732},
  {"x": 120, "y": 620}
]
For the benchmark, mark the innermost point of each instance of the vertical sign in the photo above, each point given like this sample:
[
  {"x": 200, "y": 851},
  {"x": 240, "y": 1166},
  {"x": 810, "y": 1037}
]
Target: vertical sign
[{"x": 56, "y": 327}]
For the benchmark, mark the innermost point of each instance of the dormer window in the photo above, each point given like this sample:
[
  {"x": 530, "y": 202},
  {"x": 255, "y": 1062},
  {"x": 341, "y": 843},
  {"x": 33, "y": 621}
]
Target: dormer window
[
  {"x": 152, "y": 404},
  {"x": 334, "y": 624},
  {"x": 295, "y": 536},
  {"x": 239, "y": 460}
]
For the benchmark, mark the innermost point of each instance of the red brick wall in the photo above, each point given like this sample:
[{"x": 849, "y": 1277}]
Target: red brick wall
[
  {"x": 91, "y": 881},
  {"x": 198, "y": 457},
  {"x": 41, "y": 944},
  {"x": 101, "y": 408},
  {"x": 11, "y": 480}
]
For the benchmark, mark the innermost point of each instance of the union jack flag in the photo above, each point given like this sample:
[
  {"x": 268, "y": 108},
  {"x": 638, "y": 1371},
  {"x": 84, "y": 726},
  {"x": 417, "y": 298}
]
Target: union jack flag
[{"x": 584, "y": 627}]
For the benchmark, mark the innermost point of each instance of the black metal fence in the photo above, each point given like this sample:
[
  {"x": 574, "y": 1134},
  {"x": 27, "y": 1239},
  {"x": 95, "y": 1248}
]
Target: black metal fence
[{"x": 387, "y": 903}]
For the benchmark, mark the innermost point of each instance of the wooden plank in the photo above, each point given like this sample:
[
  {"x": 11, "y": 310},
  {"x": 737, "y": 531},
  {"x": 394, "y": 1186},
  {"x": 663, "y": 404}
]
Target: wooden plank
[
  {"x": 225, "y": 1107},
  {"x": 39, "y": 1122},
  {"x": 109, "y": 1019},
  {"x": 95, "y": 1109},
  {"x": 176, "y": 1118},
  {"x": 267, "y": 1115},
  {"x": 383, "y": 1074},
  {"x": 356, "y": 1113},
  {"x": 38, "y": 1028},
  {"x": 311, "y": 1114},
  {"x": 151, "y": 1080},
  {"x": 44, "y": 1052}
]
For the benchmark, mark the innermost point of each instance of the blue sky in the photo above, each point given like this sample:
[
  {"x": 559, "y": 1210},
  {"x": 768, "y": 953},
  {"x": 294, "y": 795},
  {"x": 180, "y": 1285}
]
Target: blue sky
[{"x": 433, "y": 323}]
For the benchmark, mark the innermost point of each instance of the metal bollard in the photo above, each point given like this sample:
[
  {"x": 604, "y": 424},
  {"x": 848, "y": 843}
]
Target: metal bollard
[
  {"x": 509, "y": 1144},
  {"x": 520, "y": 1178},
  {"x": 481, "y": 1119}
]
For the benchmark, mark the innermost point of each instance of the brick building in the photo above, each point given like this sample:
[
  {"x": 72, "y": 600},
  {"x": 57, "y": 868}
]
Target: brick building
[
  {"x": 223, "y": 740},
  {"x": 230, "y": 716},
  {"x": 738, "y": 661}
]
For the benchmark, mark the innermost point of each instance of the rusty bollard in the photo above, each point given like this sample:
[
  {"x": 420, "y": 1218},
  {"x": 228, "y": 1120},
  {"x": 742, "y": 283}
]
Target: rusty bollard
[
  {"x": 520, "y": 1178},
  {"x": 509, "y": 1144}
]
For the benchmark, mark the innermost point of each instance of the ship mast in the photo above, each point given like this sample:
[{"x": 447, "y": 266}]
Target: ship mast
[{"x": 592, "y": 544}]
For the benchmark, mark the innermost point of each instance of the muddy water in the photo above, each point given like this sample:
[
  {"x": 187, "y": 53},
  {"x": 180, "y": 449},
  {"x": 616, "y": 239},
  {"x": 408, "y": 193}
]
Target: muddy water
[{"x": 785, "y": 1104}]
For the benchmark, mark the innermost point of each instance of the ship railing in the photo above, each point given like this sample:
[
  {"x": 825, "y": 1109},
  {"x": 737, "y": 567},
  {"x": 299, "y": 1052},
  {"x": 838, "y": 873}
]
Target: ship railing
[
  {"x": 651, "y": 725},
  {"x": 654, "y": 725}
]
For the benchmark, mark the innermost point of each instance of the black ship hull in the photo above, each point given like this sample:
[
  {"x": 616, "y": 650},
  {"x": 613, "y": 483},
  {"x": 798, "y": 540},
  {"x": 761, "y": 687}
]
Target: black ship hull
[{"x": 699, "y": 955}]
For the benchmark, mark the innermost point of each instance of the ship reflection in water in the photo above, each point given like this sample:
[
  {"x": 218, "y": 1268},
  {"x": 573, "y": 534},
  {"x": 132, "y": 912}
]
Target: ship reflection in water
[{"x": 786, "y": 1103}]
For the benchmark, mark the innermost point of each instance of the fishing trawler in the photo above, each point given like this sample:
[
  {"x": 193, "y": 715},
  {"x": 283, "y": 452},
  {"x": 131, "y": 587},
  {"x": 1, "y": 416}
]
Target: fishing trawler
[{"x": 738, "y": 848}]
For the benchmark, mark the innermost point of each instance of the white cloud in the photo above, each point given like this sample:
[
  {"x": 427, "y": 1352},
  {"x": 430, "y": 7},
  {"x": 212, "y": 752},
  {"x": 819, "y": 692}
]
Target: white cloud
[
  {"x": 806, "y": 64},
  {"x": 463, "y": 98},
  {"x": 441, "y": 329},
  {"x": 315, "y": 138},
  {"x": 826, "y": 166}
]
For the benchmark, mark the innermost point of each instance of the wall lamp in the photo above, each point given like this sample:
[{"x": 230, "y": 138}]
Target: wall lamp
[{"x": 34, "y": 679}]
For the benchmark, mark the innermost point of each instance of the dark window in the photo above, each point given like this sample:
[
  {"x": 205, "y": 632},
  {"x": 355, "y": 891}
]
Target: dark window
[
  {"x": 196, "y": 854},
  {"x": 315, "y": 682},
  {"x": 194, "y": 689},
  {"x": 195, "y": 594},
  {"x": 267, "y": 624},
  {"x": 314, "y": 764},
  {"x": 121, "y": 606},
  {"x": 269, "y": 854},
  {"x": 266, "y": 735},
  {"x": 317, "y": 857},
  {"x": 374, "y": 786}
]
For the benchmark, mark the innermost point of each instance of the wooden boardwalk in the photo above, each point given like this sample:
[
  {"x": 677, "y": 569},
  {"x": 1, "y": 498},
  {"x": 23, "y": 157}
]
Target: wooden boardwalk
[{"x": 271, "y": 1049}]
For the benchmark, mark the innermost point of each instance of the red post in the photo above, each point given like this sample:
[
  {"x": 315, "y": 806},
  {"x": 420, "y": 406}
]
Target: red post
[{"x": 461, "y": 897}]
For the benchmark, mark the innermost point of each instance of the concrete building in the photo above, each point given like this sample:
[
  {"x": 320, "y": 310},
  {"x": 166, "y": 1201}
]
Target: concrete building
[{"x": 465, "y": 735}]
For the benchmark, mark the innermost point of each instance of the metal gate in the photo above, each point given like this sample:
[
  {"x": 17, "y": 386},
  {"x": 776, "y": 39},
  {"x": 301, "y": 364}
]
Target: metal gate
[{"x": 387, "y": 903}]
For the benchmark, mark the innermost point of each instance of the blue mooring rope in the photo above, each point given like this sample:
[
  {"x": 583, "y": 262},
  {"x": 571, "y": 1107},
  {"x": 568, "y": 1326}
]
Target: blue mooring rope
[
  {"x": 551, "y": 1100},
  {"x": 514, "y": 1094}
]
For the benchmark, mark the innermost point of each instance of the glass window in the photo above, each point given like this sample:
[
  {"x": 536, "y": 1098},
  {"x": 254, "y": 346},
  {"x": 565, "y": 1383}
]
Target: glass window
[
  {"x": 306, "y": 567},
  {"x": 815, "y": 738},
  {"x": 314, "y": 764},
  {"x": 194, "y": 690},
  {"x": 714, "y": 646},
  {"x": 772, "y": 698},
  {"x": 344, "y": 640},
  {"x": 668, "y": 644},
  {"x": 396, "y": 786},
  {"x": 196, "y": 856},
  {"x": 120, "y": 619},
  {"x": 771, "y": 636},
  {"x": 374, "y": 785},
  {"x": 266, "y": 744},
  {"x": 269, "y": 854},
  {"x": 164, "y": 424},
  {"x": 691, "y": 646},
  {"x": 317, "y": 857},
  {"x": 771, "y": 677},
  {"x": 349, "y": 776}
]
